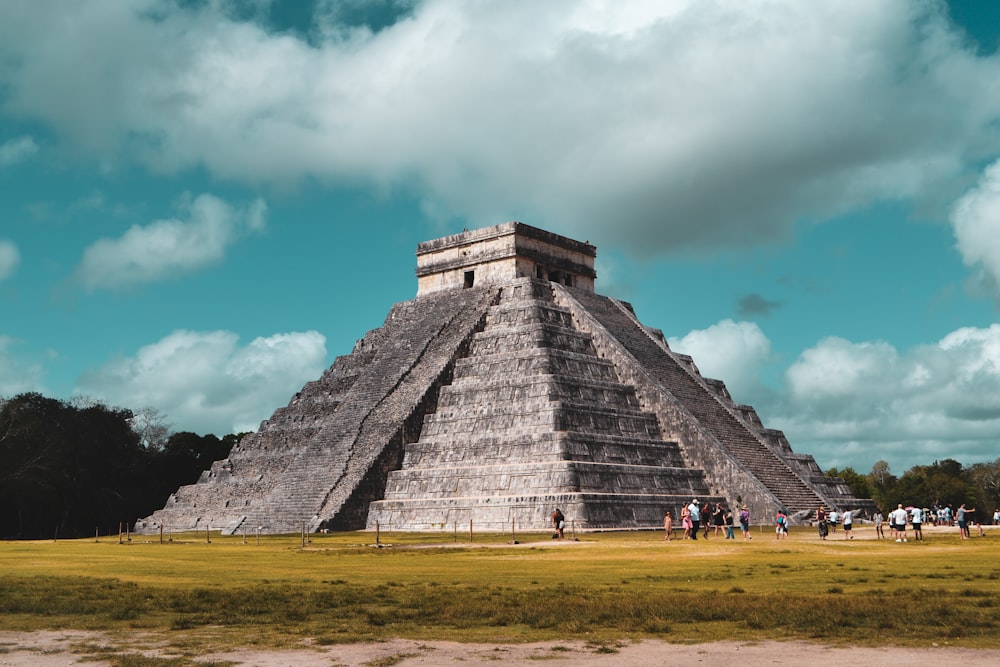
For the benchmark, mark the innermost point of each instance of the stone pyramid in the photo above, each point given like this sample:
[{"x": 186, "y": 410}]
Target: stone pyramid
[{"x": 505, "y": 389}]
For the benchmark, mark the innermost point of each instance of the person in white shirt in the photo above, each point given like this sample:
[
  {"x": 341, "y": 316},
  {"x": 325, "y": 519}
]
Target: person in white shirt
[
  {"x": 898, "y": 519},
  {"x": 917, "y": 519},
  {"x": 834, "y": 518},
  {"x": 695, "y": 511},
  {"x": 848, "y": 525}
]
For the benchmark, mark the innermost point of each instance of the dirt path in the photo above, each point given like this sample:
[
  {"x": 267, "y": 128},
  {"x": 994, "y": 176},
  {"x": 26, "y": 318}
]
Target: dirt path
[{"x": 52, "y": 649}]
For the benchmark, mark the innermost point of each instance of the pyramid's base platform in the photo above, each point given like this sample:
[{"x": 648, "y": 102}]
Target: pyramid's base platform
[{"x": 583, "y": 511}]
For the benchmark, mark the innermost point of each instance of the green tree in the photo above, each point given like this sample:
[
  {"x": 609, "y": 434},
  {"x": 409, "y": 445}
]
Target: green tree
[
  {"x": 941, "y": 483},
  {"x": 883, "y": 486},
  {"x": 68, "y": 468},
  {"x": 985, "y": 477},
  {"x": 31, "y": 448}
]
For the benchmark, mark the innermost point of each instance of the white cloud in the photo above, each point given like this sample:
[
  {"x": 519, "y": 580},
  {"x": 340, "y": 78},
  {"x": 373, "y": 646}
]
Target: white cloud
[
  {"x": 165, "y": 248},
  {"x": 668, "y": 125},
  {"x": 735, "y": 352},
  {"x": 206, "y": 382},
  {"x": 15, "y": 151},
  {"x": 976, "y": 222},
  {"x": 867, "y": 400},
  {"x": 845, "y": 402},
  {"x": 16, "y": 375},
  {"x": 831, "y": 371},
  {"x": 10, "y": 258}
]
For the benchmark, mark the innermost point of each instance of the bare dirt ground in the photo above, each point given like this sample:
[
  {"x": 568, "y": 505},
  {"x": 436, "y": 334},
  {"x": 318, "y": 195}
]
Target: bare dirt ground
[{"x": 59, "y": 648}]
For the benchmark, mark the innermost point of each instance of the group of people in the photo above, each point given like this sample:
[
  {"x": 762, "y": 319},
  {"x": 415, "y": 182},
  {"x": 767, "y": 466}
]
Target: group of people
[
  {"x": 721, "y": 518},
  {"x": 826, "y": 522},
  {"x": 694, "y": 519},
  {"x": 902, "y": 519},
  {"x": 917, "y": 517},
  {"x": 897, "y": 520}
]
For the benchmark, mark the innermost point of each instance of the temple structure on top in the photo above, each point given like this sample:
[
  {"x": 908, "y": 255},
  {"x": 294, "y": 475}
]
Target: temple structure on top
[
  {"x": 508, "y": 387},
  {"x": 495, "y": 255}
]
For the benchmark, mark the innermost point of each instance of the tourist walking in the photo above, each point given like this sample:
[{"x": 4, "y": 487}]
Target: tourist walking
[
  {"x": 898, "y": 519},
  {"x": 961, "y": 517},
  {"x": 848, "y": 525},
  {"x": 781, "y": 525},
  {"x": 833, "y": 519},
  {"x": 668, "y": 526},
  {"x": 917, "y": 520},
  {"x": 728, "y": 519},
  {"x": 821, "y": 523},
  {"x": 996, "y": 517},
  {"x": 878, "y": 519},
  {"x": 695, "y": 518},
  {"x": 745, "y": 522},
  {"x": 559, "y": 523},
  {"x": 718, "y": 519},
  {"x": 686, "y": 522}
]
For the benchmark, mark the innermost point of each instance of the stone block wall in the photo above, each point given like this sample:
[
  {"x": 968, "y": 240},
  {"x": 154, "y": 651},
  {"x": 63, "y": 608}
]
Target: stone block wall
[
  {"x": 690, "y": 411},
  {"x": 533, "y": 413},
  {"x": 316, "y": 457},
  {"x": 498, "y": 254}
]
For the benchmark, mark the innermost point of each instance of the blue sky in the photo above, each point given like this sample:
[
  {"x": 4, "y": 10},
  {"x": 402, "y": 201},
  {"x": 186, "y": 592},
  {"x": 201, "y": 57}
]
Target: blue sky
[{"x": 203, "y": 203}]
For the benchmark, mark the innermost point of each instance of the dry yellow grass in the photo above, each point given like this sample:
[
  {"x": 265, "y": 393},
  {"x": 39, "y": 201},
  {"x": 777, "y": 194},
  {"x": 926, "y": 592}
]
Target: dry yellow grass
[{"x": 340, "y": 588}]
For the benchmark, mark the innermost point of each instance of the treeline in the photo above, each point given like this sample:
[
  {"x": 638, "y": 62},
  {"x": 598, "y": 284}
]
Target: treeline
[
  {"x": 73, "y": 469},
  {"x": 940, "y": 484}
]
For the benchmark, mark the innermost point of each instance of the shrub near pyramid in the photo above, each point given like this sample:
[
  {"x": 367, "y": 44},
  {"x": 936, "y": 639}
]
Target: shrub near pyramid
[{"x": 505, "y": 389}]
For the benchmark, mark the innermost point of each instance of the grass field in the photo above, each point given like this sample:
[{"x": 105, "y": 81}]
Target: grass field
[{"x": 340, "y": 588}]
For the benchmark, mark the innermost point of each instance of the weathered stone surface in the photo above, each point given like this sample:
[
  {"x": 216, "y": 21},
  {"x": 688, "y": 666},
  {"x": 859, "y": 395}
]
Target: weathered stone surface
[{"x": 507, "y": 388}]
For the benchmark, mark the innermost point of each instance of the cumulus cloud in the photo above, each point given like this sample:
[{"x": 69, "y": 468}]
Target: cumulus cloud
[
  {"x": 166, "y": 248},
  {"x": 16, "y": 374},
  {"x": 10, "y": 258},
  {"x": 867, "y": 400},
  {"x": 17, "y": 150},
  {"x": 976, "y": 222},
  {"x": 207, "y": 381},
  {"x": 669, "y": 125},
  {"x": 735, "y": 352},
  {"x": 845, "y": 402}
]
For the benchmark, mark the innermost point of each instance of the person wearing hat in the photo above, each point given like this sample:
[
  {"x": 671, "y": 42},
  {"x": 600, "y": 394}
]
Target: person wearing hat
[{"x": 695, "y": 518}]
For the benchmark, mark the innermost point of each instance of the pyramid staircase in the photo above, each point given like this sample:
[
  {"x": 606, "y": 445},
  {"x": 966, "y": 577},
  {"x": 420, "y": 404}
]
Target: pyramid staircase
[
  {"x": 706, "y": 401},
  {"x": 319, "y": 458},
  {"x": 534, "y": 419}
]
